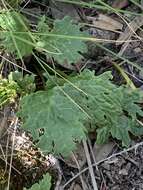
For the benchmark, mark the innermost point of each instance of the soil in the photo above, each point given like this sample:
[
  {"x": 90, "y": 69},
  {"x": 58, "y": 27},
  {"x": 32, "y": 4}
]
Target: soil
[{"x": 122, "y": 169}]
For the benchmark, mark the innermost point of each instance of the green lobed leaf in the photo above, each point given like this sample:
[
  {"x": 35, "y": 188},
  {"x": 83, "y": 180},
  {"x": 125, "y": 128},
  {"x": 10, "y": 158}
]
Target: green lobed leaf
[
  {"x": 44, "y": 184},
  {"x": 102, "y": 135},
  {"x": 57, "y": 115},
  {"x": 14, "y": 34},
  {"x": 60, "y": 42},
  {"x": 64, "y": 111},
  {"x": 121, "y": 130}
]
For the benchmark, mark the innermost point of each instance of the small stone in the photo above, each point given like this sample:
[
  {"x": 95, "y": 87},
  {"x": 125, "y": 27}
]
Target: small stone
[{"x": 123, "y": 172}]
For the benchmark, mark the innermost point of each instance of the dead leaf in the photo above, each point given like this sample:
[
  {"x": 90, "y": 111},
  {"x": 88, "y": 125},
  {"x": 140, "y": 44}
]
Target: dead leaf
[
  {"x": 75, "y": 186},
  {"x": 79, "y": 155},
  {"x": 106, "y": 23},
  {"x": 120, "y": 4},
  {"x": 59, "y": 10},
  {"x": 102, "y": 151},
  {"x": 131, "y": 29}
]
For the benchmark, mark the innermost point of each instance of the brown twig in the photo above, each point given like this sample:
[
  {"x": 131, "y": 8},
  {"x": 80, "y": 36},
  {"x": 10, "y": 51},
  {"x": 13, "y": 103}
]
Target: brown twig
[{"x": 95, "y": 165}]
